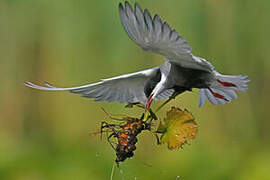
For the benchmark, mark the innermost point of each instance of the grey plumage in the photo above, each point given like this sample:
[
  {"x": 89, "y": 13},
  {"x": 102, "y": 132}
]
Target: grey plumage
[
  {"x": 151, "y": 34},
  {"x": 127, "y": 88},
  {"x": 181, "y": 70}
]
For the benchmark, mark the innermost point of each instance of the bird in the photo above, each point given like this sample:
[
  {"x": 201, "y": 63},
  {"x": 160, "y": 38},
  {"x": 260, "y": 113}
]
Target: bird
[{"x": 181, "y": 71}]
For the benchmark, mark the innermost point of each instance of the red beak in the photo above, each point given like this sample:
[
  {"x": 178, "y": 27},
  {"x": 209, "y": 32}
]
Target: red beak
[{"x": 149, "y": 101}]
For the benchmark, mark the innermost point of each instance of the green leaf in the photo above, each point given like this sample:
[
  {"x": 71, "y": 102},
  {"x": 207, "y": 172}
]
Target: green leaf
[{"x": 177, "y": 128}]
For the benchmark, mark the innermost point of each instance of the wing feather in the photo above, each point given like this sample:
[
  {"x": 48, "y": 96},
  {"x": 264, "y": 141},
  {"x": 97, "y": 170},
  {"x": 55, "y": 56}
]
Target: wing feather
[
  {"x": 128, "y": 88},
  {"x": 151, "y": 34}
]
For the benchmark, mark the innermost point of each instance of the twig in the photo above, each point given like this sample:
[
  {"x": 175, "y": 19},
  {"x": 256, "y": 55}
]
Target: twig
[{"x": 112, "y": 172}]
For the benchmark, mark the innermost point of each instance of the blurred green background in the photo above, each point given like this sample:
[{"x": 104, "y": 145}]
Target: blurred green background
[{"x": 45, "y": 135}]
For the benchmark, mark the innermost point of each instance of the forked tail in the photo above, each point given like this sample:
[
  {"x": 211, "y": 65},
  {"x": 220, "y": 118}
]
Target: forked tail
[{"x": 223, "y": 90}]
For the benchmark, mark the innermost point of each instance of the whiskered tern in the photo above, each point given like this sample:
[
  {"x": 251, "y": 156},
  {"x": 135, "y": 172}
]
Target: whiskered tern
[{"x": 181, "y": 70}]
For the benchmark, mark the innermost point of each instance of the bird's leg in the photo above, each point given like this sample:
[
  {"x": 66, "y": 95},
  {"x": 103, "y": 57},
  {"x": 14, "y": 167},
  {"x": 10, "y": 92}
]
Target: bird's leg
[{"x": 167, "y": 101}]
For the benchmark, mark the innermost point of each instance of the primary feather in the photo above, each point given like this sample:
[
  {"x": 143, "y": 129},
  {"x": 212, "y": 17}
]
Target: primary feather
[
  {"x": 152, "y": 34},
  {"x": 128, "y": 88}
]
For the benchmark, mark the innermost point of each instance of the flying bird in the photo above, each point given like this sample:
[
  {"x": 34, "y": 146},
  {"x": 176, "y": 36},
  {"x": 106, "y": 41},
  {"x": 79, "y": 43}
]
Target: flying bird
[{"x": 180, "y": 72}]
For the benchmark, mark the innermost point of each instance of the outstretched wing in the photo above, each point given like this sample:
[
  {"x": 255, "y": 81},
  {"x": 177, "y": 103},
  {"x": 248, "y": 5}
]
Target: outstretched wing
[
  {"x": 128, "y": 88},
  {"x": 151, "y": 34}
]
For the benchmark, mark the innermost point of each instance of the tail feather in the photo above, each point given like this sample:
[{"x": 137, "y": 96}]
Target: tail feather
[
  {"x": 223, "y": 90},
  {"x": 239, "y": 82}
]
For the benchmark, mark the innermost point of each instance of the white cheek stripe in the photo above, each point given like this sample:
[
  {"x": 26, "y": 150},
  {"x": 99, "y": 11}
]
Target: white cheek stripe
[{"x": 160, "y": 86}]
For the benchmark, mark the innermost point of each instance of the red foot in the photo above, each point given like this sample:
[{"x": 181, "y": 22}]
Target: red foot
[
  {"x": 217, "y": 95},
  {"x": 149, "y": 101},
  {"x": 227, "y": 84}
]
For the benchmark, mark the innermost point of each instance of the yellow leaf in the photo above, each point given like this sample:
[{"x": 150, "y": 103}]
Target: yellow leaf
[{"x": 178, "y": 127}]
